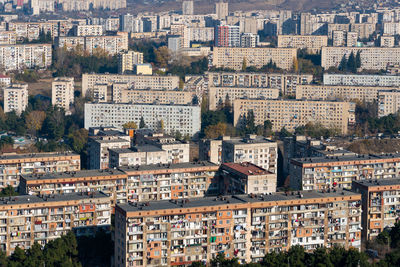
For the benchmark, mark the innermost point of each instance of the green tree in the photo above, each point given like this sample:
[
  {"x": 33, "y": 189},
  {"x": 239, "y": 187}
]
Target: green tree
[
  {"x": 54, "y": 124},
  {"x": 358, "y": 59},
  {"x": 8, "y": 191},
  {"x": 351, "y": 63},
  {"x": 130, "y": 125},
  {"x": 142, "y": 123},
  {"x": 343, "y": 64},
  {"x": 78, "y": 139}
]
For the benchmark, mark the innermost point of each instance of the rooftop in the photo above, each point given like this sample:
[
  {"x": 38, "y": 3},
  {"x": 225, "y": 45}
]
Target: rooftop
[
  {"x": 72, "y": 174},
  {"x": 184, "y": 165},
  {"x": 24, "y": 199},
  {"x": 246, "y": 168},
  {"x": 36, "y": 155},
  {"x": 237, "y": 199},
  {"x": 355, "y": 157},
  {"x": 380, "y": 182},
  {"x": 146, "y": 148},
  {"x": 249, "y": 140}
]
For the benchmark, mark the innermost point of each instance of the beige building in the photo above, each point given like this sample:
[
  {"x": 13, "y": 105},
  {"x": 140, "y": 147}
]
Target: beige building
[
  {"x": 8, "y": 37},
  {"x": 285, "y": 82},
  {"x": 372, "y": 58},
  {"x": 380, "y": 205},
  {"x": 62, "y": 93},
  {"x": 221, "y": 9},
  {"x": 15, "y": 98},
  {"x": 137, "y": 156},
  {"x": 211, "y": 150},
  {"x": 15, "y": 165},
  {"x": 22, "y": 56},
  {"x": 127, "y": 60},
  {"x": 339, "y": 38},
  {"x": 150, "y": 96},
  {"x": 26, "y": 220},
  {"x": 342, "y": 92},
  {"x": 388, "y": 102},
  {"x": 143, "y": 69},
  {"x": 246, "y": 227},
  {"x": 386, "y": 41},
  {"x": 220, "y": 95},
  {"x": 88, "y": 30},
  {"x": 99, "y": 93},
  {"x": 351, "y": 39},
  {"x": 233, "y": 57},
  {"x": 290, "y": 114},
  {"x": 135, "y": 81},
  {"x": 78, "y": 5},
  {"x": 247, "y": 178},
  {"x": 313, "y": 43},
  {"x": 364, "y": 30},
  {"x": 253, "y": 149}
]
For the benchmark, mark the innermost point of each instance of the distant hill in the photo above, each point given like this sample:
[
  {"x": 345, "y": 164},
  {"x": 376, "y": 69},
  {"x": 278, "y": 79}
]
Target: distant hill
[{"x": 207, "y": 6}]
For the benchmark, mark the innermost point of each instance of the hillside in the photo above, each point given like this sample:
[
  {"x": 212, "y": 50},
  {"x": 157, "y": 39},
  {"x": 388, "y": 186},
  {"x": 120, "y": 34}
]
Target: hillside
[{"x": 375, "y": 146}]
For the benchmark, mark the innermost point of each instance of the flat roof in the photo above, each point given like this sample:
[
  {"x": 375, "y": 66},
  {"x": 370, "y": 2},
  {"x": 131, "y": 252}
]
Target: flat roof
[
  {"x": 72, "y": 174},
  {"x": 121, "y": 150},
  {"x": 257, "y": 140},
  {"x": 146, "y": 148},
  {"x": 378, "y": 182},
  {"x": 36, "y": 155},
  {"x": 26, "y": 199},
  {"x": 236, "y": 199},
  {"x": 346, "y": 158},
  {"x": 184, "y": 165},
  {"x": 246, "y": 168},
  {"x": 118, "y": 140}
]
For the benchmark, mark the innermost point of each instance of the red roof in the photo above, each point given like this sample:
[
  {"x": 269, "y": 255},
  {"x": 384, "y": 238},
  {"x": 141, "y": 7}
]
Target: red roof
[{"x": 247, "y": 168}]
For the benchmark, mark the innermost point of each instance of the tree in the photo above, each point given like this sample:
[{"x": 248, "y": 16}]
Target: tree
[
  {"x": 142, "y": 124},
  {"x": 54, "y": 124},
  {"x": 78, "y": 139},
  {"x": 34, "y": 121},
  {"x": 8, "y": 191},
  {"x": 351, "y": 63},
  {"x": 244, "y": 64},
  {"x": 358, "y": 59},
  {"x": 343, "y": 64},
  {"x": 295, "y": 65},
  {"x": 161, "y": 125},
  {"x": 214, "y": 131},
  {"x": 130, "y": 125}
]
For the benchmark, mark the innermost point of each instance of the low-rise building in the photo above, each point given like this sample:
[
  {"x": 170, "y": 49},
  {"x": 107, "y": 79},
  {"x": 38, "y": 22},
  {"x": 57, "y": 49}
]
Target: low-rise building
[
  {"x": 362, "y": 80},
  {"x": 242, "y": 226},
  {"x": 15, "y": 98},
  {"x": 380, "y": 205},
  {"x": 15, "y": 165},
  {"x": 290, "y": 114},
  {"x": 318, "y": 173},
  {"x": 246, "y": 178},
  {"x": 28, "y": 219},
  {"x": 137, "y": 156}
]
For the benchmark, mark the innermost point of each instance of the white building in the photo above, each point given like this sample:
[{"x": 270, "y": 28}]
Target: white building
[
  {"x": 62, "y": 93},
  {"x": 16, "y": 57},
  {"x": 15, "y": 98},
  {"x": 362, "y": 80},
  {"x": 183, "y": 118}
]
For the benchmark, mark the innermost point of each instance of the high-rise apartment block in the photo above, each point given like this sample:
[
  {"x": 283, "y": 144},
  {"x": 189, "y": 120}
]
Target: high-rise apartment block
[
  {"x": 187, "y": 7},
  {"x": 294, "y": 113},
  {"x": 227, "y": 36},
  {"x": 221, "y": 10},
  {"x": 313, "y": 43},
  {"x": 380, "y": 205},
  {"x": 21, "y": 56},
  {"x": 183, "y": 118},
  {"x": 15, "y": 98},
  {"x": 62, "y": 93},
  {"x": 233, "y": 57},
  {"x": 318, "y": 173},
  {"x": 27, "y": 219},
  {"x": 388, "y": 102},
  {"x": 15, "y": 165},
  {"x": 127, "y": 60},
  {"x": 249, "y": 40},
  {"x": 242, "y": 226}
]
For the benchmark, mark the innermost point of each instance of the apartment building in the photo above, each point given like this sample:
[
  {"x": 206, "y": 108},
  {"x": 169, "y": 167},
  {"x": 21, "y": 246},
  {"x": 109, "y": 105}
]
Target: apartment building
[
  {"x": 211, "y": 150},
  {"x": 25, "y": 220},
  {"x": 177, "y": 97},
  {"x": 137, "y": 156},
  {"x": 5, "y": 80},
  {"x": 183, "y": 118},
  {"x": 99, "y": 93},
  {"x": 362, "y": 80},
  {"x": 391, "y": 28},
  {"x": 165, "y": 233},
  {"x": 372, "y": 58},
  {"x": 380, "y": 205},
  {"x": 88, "y": 30},
  {"x": 246, "y": 178},
  {"x": 135, "y": 81},
  {"x": 221, "y": 9},
  {"x": 386, "y": 41},
  {"x": 388, "y": 102},
  {"x": 294, "y": 113},
  {"x": 8, "y": 37},
  {"x": 31, "y": 30},
  {"x": 227, "y": 36},
  {"x": 220, "y": 95},
  {"x": 127, "y": 60},
  {"x": 177, "y": 151},
  {"x": 363, "y": 30},
  {"x": 62, "y": 93},
  {"x": 351, "y": 39},
  {"x": 80, "y": 5},
  {"x": 21, "y": 56},
  {"x": 171, "y": 181},
  {"x": 253, "y": 149},
  {"x": 233, "y": 57},
  {"x": 313, "y": 43},
  {"x": 15, "y": 98},
  {"x": 285, "y": 82},
  {"x": 339, "y": 38},
  {"x": 12, "y": 166},
  {"x": 343, "y": 92},
  {"x": 111, "y": 182},
  {"x": 339, "y": 171},
  {"x": 111, "y": 44},
  {"x": 201, "y": 34},
  {"x": 100, "y": 144},
  {"x": 249, "y": 40}
]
